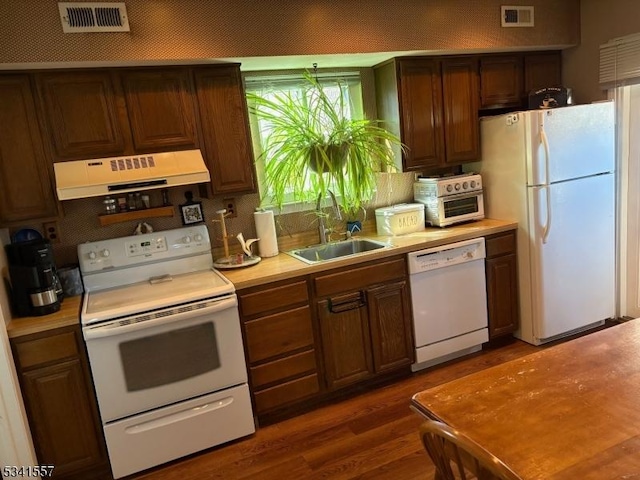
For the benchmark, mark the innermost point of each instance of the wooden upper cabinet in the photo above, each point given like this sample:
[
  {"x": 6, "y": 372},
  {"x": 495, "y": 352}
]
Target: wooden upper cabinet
[
  {"x": 501, "y": 81},
  {"x": 437, "y": 109},
  {"x": 26, "y": 191},
  {"x": 507, "y": 80},
  {"x": 460, "y": 102},
  {"x": 81, "y": 114},
  {"x": 421, "y": 113},
  {"x": 161, "y": 109},
  {"x": 225, "y": 129},
  {"x": 542, "y": 70}
]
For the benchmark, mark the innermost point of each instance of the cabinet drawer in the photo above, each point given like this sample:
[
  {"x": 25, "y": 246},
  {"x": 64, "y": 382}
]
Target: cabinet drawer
[
  {"x": 44, "y": 350},
  {"x": 284, "y": 368},
  {"x": 501, "y": 244},
  {"x": 279, "y": 334},
  {"x": 358, "y": 278},
  {"x": 272, "y": 299},
  {"x": 287, "y": 393}
]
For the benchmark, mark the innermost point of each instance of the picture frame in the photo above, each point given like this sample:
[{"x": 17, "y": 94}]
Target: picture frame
[{"x": 191, "y": 213}]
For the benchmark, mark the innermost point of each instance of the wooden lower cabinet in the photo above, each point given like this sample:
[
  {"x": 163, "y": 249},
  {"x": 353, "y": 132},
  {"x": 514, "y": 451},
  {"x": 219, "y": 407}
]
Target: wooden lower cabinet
[
  {"x": 502, "y": 284},
  {"x": 346, "y": 340},
  {"x": 391, "y": 326},
  {"x": 280, "y": 344},
  {"x": 60, "y": 403},
  {"x": 365, "y": 321},
  {"x": 308, "y": 339}
]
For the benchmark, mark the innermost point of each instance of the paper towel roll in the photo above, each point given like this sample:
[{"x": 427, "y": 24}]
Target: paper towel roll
[{"x": 266, "y": 232}]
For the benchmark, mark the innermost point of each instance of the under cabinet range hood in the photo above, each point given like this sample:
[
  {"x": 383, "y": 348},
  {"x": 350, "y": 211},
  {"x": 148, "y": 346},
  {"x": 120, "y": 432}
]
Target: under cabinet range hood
[{"x": 110, "y": 176}]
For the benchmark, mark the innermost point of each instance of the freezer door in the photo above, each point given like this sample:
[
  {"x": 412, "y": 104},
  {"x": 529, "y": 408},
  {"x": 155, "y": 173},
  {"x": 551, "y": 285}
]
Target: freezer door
[
  {"x": 571, "y": 142},
  {"x": 572, "y": 280}
]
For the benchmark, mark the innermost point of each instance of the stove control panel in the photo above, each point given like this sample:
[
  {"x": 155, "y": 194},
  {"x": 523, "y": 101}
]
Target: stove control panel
[
  {"x": 147, "y": 246},
  {"x": 124, "y": 252}
]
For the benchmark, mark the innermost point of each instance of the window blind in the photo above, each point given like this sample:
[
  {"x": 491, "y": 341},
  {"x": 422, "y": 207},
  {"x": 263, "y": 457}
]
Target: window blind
[
  {"x": 294, "y": 81},
  {"x": 620, "y": 61}
]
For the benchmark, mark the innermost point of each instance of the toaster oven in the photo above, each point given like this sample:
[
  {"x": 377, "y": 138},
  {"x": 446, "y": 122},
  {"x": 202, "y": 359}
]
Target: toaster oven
[{"x": 450, "y": 200}]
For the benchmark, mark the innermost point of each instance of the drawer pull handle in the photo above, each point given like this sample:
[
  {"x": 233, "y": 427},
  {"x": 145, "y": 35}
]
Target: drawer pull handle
[{"x": 342, "y": 304}]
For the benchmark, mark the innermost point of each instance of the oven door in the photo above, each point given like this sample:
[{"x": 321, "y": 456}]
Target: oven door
[
  {"x": 460, "y": 208},
  {"x": 157, "y": 358}
]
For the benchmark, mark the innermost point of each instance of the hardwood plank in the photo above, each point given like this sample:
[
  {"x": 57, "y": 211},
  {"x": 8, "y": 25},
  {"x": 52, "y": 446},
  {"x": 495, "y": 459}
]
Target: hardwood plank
[
  {"x": 349, "y": 448},
  {"x": 414, "y": 466}
]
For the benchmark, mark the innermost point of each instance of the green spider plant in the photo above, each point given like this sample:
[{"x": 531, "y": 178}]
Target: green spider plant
[{"x": 313, "y": 147}]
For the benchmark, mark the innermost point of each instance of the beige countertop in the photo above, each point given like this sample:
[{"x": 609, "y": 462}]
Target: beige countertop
[
  {"x": 69, "y": 314},
  {"x": 283, "y": 267}
]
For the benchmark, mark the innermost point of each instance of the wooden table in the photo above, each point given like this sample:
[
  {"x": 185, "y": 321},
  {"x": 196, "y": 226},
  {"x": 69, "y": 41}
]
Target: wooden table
[{"x": 571, "y": 411}]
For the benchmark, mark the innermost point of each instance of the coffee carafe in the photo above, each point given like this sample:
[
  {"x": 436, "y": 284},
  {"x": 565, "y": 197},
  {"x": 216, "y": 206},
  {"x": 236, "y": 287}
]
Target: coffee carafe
[{"x": 35, "y": 287}]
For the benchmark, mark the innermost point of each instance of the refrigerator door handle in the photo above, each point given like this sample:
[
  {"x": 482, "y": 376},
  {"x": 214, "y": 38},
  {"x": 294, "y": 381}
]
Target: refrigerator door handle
[{"x": 545, "y": 143}]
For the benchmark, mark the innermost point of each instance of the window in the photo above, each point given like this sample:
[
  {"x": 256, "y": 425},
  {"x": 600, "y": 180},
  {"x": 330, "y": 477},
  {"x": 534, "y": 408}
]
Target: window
[{"x": 281, "y": 86}]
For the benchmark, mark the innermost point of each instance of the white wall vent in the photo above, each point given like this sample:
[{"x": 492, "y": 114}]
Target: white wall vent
[
  {"x": 93, "y": 17},
  {"x": 517, "y": 16}
]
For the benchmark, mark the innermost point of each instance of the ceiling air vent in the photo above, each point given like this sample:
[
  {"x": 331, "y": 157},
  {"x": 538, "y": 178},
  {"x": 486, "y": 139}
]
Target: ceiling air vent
[
  {"x": 517, "y": 16},
  {"x": 93, "y": 17}
]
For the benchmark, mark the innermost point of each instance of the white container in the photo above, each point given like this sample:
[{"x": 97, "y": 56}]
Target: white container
[{"x": 400, "y": 219}]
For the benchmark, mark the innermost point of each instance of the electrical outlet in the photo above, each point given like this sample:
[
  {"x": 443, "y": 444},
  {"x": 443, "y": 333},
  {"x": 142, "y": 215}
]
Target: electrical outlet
[
  {"x": 230, "y": 206},
  {"x": 51, "y": 231}
]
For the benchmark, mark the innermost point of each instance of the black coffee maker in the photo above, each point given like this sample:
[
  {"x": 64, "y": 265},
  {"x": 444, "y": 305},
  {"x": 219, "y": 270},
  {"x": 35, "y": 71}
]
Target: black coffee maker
[{"x": 35, "y": 287}]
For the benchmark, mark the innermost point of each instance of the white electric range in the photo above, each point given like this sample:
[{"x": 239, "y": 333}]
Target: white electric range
[{"x": 165, "y": 348}]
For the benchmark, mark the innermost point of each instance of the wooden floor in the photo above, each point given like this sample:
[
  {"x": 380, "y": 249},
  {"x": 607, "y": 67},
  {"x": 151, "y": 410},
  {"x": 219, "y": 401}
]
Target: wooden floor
[{"x": 371, "y": 436}]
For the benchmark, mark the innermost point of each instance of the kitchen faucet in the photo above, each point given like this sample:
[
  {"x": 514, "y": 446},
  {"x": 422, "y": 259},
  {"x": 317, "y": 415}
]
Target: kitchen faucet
[{"x": 322, "y": 229}]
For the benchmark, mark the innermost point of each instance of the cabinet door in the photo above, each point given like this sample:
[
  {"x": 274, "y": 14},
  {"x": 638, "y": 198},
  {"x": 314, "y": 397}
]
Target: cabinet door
[
  {"x": 500, "y": 81},
  {"x": 81, "y": 114},
  {"x": 542, "y": 70},
  {"x": 460, "y": 94},
  {"x": 346, "y": 343},
  {"x": 26, "y": 192},
  {"x": 60, "y": 417},
  {"x": 502, "y": 295},
  {"x": 390, "y": 323},
  {"x": 161, "y": 109},
  {"x": 225, "y": 126},
  {"x": 421, "y": 114}
]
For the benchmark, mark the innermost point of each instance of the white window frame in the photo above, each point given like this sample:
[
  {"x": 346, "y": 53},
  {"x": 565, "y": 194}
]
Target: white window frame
[{"x": 362, "y": 99}]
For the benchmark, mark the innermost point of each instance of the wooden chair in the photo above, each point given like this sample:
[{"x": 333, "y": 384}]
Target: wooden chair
[{"x": 456, "y": 457}]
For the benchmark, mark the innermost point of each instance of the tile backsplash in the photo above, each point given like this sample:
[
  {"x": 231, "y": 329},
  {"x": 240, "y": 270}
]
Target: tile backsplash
[{"x": 81, "y": 224}]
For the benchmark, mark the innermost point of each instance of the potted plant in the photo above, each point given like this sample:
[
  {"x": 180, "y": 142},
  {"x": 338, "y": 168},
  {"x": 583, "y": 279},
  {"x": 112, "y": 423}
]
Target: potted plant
[{"x": 314, "y": 147}]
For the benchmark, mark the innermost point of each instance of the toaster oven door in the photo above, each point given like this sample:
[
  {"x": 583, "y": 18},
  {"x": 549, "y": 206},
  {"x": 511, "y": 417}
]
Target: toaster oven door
[{"x": 460, "y": 208}]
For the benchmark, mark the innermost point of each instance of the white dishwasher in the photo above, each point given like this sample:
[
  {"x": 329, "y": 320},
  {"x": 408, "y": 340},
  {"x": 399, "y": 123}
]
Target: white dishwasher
[{"x": 449, "y": 299}]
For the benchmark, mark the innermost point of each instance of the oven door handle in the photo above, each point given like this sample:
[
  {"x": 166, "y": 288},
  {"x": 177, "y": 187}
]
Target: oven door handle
[
  {"x": 462, "y": 195},
  {"x": 116, "y": 327}
]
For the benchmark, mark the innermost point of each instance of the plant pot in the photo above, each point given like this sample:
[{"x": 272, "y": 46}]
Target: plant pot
[{"x": 328, "y": 158}]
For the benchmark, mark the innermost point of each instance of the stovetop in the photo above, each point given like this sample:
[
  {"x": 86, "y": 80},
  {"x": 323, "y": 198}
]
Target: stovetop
[{"x": 153, "y": 294}]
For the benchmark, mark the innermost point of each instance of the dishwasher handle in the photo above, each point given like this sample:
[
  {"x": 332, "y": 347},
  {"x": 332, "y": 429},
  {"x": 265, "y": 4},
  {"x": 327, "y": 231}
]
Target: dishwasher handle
[{"x": 344, "y": 303}]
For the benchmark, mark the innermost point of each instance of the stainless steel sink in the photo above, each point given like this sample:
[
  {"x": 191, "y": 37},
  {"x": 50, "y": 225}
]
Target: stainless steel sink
[{"x": 324, "y": 252}]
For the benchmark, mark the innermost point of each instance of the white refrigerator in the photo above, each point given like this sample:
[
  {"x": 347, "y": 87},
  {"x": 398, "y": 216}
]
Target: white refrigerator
[{"x": 552, "y": 171}]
